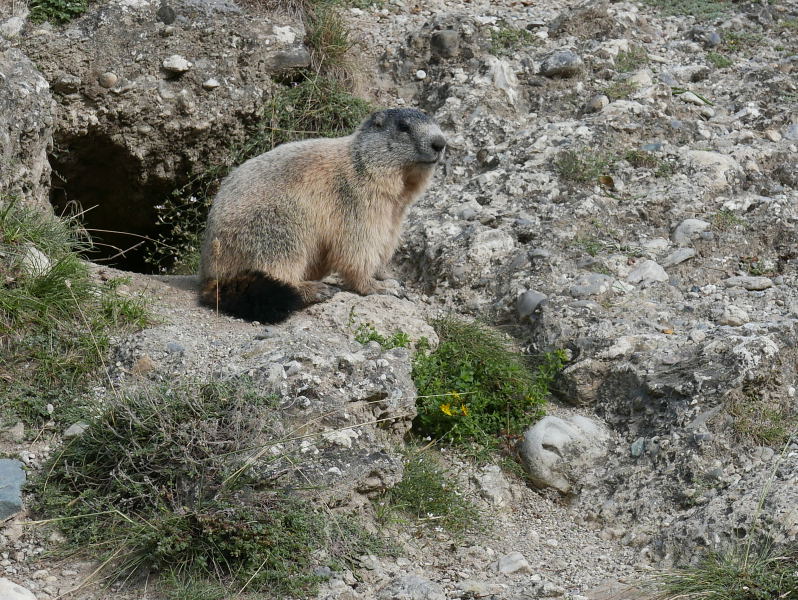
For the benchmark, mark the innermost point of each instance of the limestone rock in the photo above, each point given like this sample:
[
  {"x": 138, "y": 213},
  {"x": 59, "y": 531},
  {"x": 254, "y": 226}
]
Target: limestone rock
[
  {"x": 11, "y": 479},
  {"x": 561, "y": 63},
  {"x": 26, "y": 130},
  {"x": 557, "y": 452},
  {"x": 11, "y": 591}
]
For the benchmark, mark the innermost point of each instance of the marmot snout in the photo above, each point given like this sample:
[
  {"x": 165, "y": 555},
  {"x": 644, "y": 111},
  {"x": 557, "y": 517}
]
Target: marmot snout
[{"x": 284, "y": 220}]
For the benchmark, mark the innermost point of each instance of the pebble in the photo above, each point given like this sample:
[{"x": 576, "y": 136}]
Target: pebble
[
  {"x": 513, "y": 563},
  {"x": 689, "y": 229},
  {"x": 733, "y": 316},
  {"x": 176, "y": 64},
  {"x": 646, "y": 272},
  {"x": 108, "y": 79},
  {"x": 175, "y": 348},
  {"x": 210, "y": 84},
  {"x": 748, "y": 282},
  {"x": 75, "y": 429},
  {"x": 691, "y": 98},
  {"x": 12, "y": 477},
  {"x": 596, "y": 103},
  {"x": 421, "y": 74},
  {"x": 561, "y": 63},
  {"x": 678, "y": 256},
  {"x": 791, "y": 133},
  {"x": 591, "y": 284},
  {"x": 528, "y": 302}
]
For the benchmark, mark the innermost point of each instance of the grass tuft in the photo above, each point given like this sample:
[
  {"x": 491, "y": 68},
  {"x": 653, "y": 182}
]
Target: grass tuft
[
  {"x": 55, "y": 319},
  {"x": 506, "y": 40},
  {"x": 583, "y": 166},
  {"x": 151, "y": 485},
  {"x": 428, "y": 494},
  {"x": 631, "y": 60},
  {"x": 475, "y": 387},
  {"x": 743, "y": 573}
]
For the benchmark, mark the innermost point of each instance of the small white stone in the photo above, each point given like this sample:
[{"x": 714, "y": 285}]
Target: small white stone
[
  {"x": 421, "y": 74},
  {"x": 513, "y": 563},
  {"x": 691, "y": 98},
  {"x": 211, "y": 84},
  {"x": 176, "y": 64}
]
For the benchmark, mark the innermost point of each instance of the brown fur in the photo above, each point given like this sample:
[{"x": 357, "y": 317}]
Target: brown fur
[{"x": 311, "y": 208}]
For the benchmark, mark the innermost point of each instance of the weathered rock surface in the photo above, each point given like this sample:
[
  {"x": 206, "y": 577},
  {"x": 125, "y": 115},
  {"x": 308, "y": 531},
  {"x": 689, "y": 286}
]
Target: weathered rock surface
[
  {"x": 27, "y": 118},
  {"x": 11, "y": 479},
  {"x": 356, "y": 400},
  {"x": 11, "y": 591},
  {"x": 558, "y": 452}
]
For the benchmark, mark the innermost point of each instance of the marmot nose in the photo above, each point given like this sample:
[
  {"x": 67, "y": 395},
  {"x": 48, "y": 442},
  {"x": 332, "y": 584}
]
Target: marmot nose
[{"x": 438, "y": 143}]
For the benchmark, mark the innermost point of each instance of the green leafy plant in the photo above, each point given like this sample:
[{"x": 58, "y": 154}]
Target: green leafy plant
[
  {"x": 366, "y": 333},
  {"x": 159, "y": 481},
  {"x": 57, "y": 11},
  {"x": 476, "y": 387},
  {"x": 718, "y": 60},
  {"x": 429, "y": 495},
  {"x": 505, "y": 40}
]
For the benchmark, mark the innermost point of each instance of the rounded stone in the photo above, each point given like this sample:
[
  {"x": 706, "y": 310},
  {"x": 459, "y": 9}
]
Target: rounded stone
[
  {"x": 561, "y": 63},
  {"x": 108, "y": 79}
]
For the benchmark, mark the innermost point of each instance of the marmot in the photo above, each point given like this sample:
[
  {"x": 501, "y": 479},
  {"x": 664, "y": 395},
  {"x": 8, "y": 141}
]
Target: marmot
[{"x": 284, "y": 220}]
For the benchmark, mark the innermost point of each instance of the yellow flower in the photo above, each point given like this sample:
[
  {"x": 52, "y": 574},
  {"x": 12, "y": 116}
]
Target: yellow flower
[
  {"x": 464, "y": 409},
  {"x": 446, "y": 409},
  {"x": 455, "y": 395}
]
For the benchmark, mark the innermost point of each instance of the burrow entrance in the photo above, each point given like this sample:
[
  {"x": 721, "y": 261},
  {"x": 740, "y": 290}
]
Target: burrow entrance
[{"x": 105, "y": 183}]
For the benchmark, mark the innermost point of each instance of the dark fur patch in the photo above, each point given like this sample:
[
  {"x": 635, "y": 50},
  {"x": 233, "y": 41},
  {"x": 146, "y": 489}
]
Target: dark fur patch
[{"x": 252, "y": 296}]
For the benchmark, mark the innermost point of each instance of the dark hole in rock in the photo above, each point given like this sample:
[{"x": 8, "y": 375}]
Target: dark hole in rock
[{"x": 102, "y": 180}]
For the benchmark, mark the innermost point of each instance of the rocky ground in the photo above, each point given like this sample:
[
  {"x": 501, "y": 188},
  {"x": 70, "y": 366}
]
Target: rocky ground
[{"x": 620, "y": 183}]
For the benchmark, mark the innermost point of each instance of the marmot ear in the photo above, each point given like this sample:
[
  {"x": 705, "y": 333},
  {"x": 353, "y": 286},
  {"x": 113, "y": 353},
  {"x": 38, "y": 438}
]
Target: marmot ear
[{"x": 379, "y": 119}]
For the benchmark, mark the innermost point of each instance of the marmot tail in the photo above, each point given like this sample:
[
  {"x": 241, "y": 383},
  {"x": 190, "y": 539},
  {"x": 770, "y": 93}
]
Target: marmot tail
[{"x": 253, "y": 296}]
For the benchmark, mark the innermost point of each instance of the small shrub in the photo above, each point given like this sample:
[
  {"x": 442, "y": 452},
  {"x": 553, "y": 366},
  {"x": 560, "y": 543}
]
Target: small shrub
[
  {"x": 743, "y": 573},
  {"x": 583, "y": 166},
  {"x": 619, "y": 90},
  {"x": 718, "y": 60},
  {"x": 641, "y": 159},
  {"x": 725, "y": 219},
  {"x": 476, "y": 387},
  {"x": 155, "y": 482},
  {"x": 631, "y": 60},
  {"x": 57, "y": 11},
  {"x": 506, "y": 40},
  {"x": 428, "y": 494}
]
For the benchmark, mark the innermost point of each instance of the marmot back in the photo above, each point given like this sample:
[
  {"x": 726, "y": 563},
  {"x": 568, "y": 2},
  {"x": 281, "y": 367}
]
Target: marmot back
[{"x": 284, "y": 220}]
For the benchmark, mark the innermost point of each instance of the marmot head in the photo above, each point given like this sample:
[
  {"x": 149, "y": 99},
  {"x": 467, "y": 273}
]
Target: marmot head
[{"x": 398, "y": 137}]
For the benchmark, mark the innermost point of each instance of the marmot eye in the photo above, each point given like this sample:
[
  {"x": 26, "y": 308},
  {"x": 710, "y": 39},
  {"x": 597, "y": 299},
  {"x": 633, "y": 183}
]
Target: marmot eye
[{"x": 403, "y": 126}]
